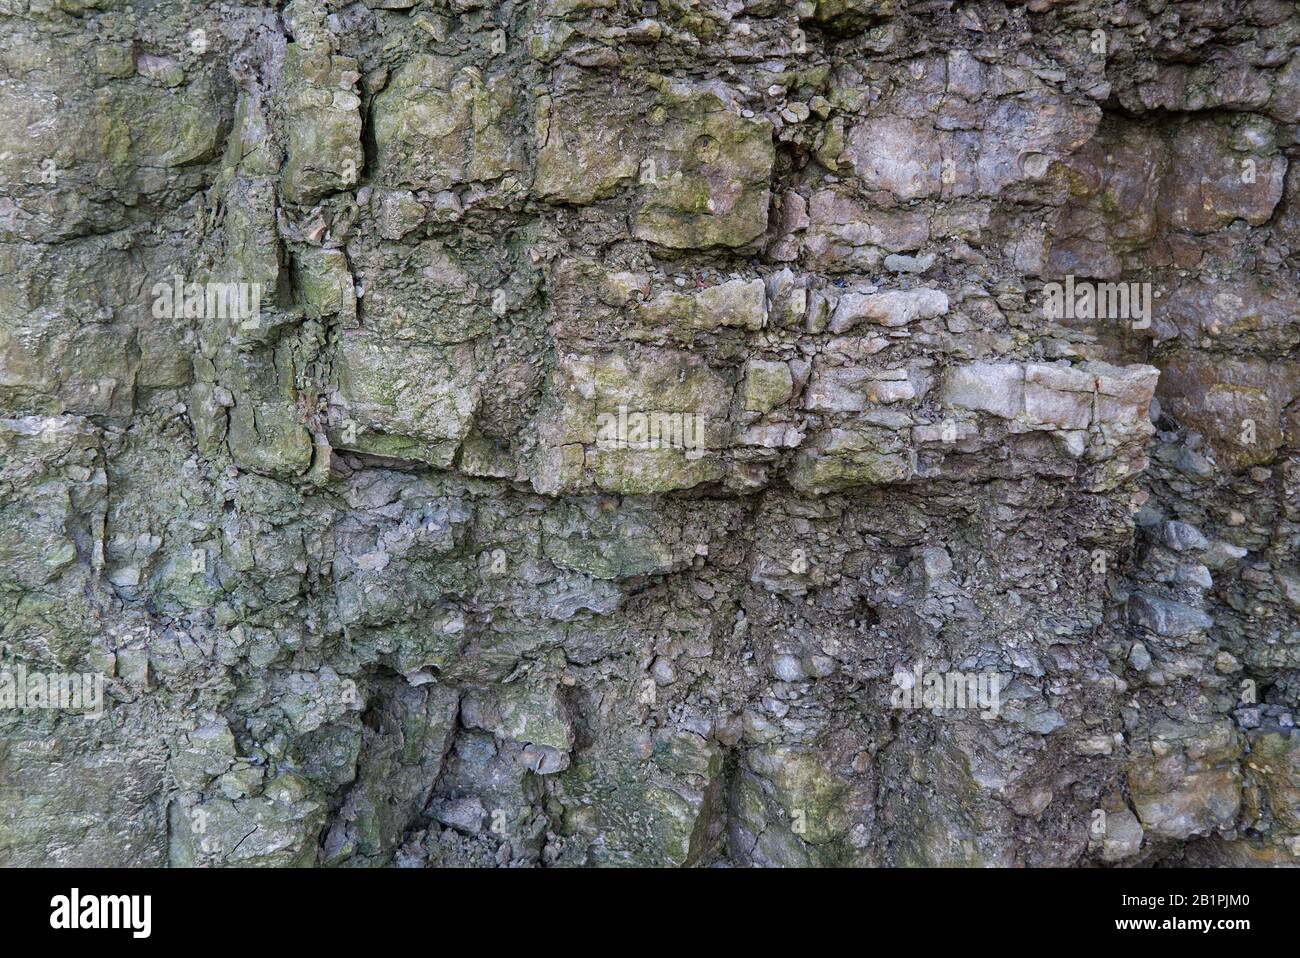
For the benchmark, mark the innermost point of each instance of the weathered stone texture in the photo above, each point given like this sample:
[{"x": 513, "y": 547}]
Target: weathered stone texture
[{"x": 634, "y": 402}]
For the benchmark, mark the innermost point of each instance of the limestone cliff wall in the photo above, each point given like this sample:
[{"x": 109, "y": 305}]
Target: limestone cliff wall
[{"x": 601, "y": 432}]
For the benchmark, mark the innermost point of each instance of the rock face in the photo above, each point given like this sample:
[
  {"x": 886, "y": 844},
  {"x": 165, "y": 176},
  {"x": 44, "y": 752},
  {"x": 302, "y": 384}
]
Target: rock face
[{"x": 693, "y": 432}]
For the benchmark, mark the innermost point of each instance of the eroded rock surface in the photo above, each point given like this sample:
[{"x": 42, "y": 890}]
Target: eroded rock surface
[{"x": 693, "y": 432}]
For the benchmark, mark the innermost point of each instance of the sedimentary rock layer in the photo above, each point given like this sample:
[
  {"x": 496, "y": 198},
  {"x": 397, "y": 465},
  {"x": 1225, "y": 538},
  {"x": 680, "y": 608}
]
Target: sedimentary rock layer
[{"x": 607, "y": 432}]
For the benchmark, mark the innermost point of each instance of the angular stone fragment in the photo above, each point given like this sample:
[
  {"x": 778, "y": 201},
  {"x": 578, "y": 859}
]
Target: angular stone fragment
[
  {"x": 633, "y": 421},
  {"x": 1123, "y": 836},
  {"x": 849, "y": 15},
  {"x": 532, "y": 717},
  {"x": 851, "y": 389},
  {"x": 1124, "y": 393},
  {"x": 266, "y": 433},
  {"x": 1182, "y": 537},
  {"x": 737, "y": 303},
  {"x": 589, "y": 538},
  {"x": 410, "y": 403},
  {"x": 465, "y": 815},
  {"x": 1013, "y": 141},
  {"x": 408, "y": 732},
  {"x": 437, "y": 125},
  {"x": 1237, "y": 403},
  {"x": 844, "y": 458},
  {"x": 324, "y": 149},
  {"x": 837, "y": 389},
  {"x": 767, "y": 384},
  {"x": 277, "y": 830},
  {"x": 996, "y": 388},
  {"x": 711, "y": 175},
  {"x": 326, "y": 283},
  {"x": 583, "y": 152},
  {"x": 740, "y": 304},
  {"x": 702, "y": 170},
  {"x": 1209, "y": 184},
  {"x": 654, "y": 799},
  {"x": 846, "y": 235},
  {"x": 896, "y": 154},
  {"x": 1058, "y": 395},
  {"x": 1275, "y": 761},
  {"x": 893, "y": 308},
  {"x": 1165, "y": 617},
  {"x": 1190, "y": 784}
]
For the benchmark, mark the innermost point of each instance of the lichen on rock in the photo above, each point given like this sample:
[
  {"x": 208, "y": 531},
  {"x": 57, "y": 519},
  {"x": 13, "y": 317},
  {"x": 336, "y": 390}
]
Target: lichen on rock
[{"x": 693, "y": 433}]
